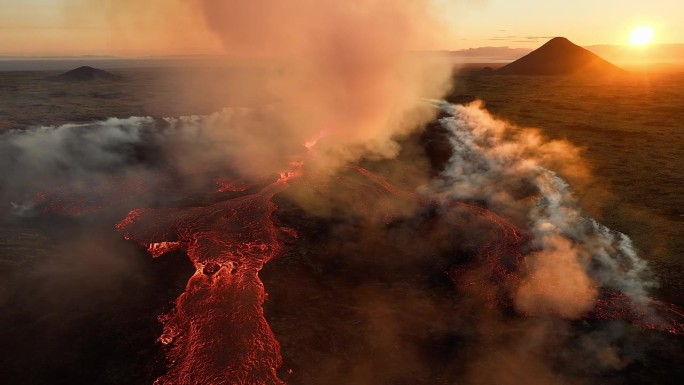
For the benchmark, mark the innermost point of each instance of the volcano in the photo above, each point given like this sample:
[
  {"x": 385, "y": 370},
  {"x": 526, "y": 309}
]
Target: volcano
[
  {"x": 559, "y": 56},
  {"x": 84, "y": 73}
]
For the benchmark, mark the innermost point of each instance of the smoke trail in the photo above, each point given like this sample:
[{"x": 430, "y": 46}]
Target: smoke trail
[
  {"x": 44, "y": 157},
  {"x": 570, "y": 256},
  {"x": 87, "y": 167}
]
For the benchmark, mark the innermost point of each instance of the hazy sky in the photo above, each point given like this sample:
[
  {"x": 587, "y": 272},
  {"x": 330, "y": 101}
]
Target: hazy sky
[{"x": 66, "y": 27}]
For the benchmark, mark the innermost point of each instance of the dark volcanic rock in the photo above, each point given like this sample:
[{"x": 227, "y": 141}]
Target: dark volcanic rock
[
  {"x": 559, "y": 56},
  {"x": 84, "y": 73}
]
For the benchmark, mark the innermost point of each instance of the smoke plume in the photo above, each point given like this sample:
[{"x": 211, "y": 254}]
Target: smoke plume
[
  {"x": 506, "y": 167},
  {"x": 85, "y": 155},
  {"x": 341, "y": 70}
]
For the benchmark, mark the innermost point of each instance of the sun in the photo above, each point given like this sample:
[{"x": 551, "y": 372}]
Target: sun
[{"x": 641, "y": 36}]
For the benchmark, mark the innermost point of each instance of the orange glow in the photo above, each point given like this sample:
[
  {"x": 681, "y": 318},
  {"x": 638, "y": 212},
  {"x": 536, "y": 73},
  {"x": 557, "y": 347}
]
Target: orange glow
[{"x": 641, "y": 36}]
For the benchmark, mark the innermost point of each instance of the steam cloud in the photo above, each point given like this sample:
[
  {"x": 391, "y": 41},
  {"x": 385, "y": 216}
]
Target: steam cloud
[
  {"x": 338, "y": 69},
  {"x": 46, "y": 157},
  {"x": 569, "y": 260},
  {"x": 506, "y": 167},
  {"x": 347, "y": 73}
]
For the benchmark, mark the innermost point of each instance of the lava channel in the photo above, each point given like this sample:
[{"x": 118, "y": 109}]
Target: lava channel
[{"x": 217, "y": 333}]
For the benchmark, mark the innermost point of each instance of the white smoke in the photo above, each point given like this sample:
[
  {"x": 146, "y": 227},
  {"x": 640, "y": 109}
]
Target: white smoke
[
  {"x": 83, "y": 154},
  {"x": 72, "y": 146},
  {"x": 79, "y": 159},
  {"x": 572, "y": 256}
]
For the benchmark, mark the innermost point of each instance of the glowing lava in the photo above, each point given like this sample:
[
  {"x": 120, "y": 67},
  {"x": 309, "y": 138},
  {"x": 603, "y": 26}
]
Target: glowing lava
[{"x": 217, "y": 332}]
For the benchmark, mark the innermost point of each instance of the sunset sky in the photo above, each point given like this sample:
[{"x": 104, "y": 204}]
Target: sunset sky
[{"x": 68, "y": 27}]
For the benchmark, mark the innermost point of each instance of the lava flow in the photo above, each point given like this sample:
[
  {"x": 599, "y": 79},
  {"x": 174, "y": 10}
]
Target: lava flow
[{"x": 217, "y": 333}]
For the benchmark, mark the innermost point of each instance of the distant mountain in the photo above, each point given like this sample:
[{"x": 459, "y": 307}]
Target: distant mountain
[
  {"x": 491, "y": 53},
  {"x": 84, "y": 73},
  {"x": 559, "y": 56}
]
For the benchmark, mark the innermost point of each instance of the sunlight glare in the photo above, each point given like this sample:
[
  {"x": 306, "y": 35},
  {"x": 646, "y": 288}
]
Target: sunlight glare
[{"x": 641, "y": 36}]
